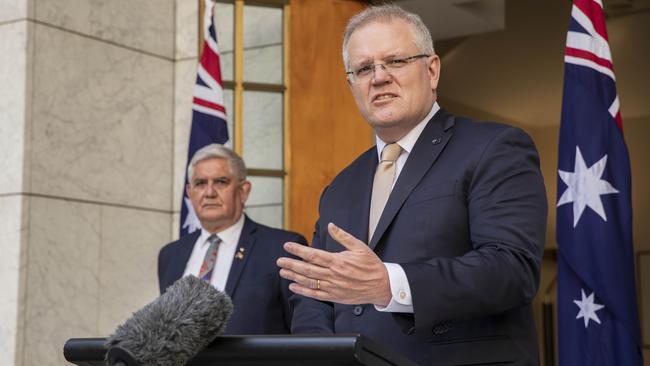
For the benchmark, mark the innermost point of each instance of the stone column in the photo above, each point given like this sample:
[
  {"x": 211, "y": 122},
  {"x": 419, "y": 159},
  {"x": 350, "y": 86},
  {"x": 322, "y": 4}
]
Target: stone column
[{"x": 86, "y": 160}]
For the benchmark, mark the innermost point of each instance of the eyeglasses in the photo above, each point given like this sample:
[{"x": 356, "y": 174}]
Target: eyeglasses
[{"x": 364, "y": 72}]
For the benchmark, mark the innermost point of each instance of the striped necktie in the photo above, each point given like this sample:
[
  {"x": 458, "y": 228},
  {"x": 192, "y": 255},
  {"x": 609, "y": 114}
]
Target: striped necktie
[{"x": 205, "y": 273}]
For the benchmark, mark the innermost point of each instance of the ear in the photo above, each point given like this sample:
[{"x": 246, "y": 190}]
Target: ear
[
  {"x": 434, "y": 71},
  {"x": 187, "y": 189},
  {"x": 245, "y": 190}
]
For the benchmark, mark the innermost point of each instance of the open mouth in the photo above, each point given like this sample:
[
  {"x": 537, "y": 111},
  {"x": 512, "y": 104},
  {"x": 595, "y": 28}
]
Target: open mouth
[{"x": 383, "y": 97}]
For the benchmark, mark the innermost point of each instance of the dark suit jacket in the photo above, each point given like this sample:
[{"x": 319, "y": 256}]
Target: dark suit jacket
[
  {"x": 259, "y": 295},
  {"x": 466, "y": 220}
]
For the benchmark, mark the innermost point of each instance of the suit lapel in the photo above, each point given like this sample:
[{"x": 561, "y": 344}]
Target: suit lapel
[
  {"x": 182, "y": 255},
  {"x": 244, "y": 246},
  {"x": 360, "y": 193},
  {"x": 431, "y": 142}
]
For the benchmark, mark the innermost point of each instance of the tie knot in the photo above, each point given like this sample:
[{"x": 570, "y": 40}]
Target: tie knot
[
  {"x": 214, "y": 239},
  {"x": 391, "y": 152}
]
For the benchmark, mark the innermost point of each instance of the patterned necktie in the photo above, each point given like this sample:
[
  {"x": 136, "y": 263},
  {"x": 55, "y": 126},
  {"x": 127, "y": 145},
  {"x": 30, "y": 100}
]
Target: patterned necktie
[
  {"x": 382, "y": 184},
  {"x": 205, "y": 273}
]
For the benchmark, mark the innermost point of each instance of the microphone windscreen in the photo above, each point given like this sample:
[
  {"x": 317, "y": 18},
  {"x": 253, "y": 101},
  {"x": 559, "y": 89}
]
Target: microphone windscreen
[{"x": 176, "y": 326}]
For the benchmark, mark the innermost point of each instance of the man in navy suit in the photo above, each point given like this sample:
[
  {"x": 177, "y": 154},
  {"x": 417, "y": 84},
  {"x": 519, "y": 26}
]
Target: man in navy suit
[
  {"x": 444, "y": 267},
  {"x": 231, "y": 251}
]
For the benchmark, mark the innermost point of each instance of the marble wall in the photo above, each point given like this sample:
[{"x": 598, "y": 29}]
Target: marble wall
[
  {"x": 15, "y": 48},
  {"x": 87, "y": 147},
  {"x": 95, "y": 110}
]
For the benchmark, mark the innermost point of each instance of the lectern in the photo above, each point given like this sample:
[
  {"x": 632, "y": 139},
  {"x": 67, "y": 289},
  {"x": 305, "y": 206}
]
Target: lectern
[{"x": 268, "y": 350}]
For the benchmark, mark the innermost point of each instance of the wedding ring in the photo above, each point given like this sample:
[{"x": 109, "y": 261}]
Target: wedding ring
[{"x": 317, "y": 284}]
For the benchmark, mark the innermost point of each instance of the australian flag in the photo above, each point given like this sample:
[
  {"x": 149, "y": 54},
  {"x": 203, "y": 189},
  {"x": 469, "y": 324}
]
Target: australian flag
[
  {"x": 598, "y": 321},
  {"x": 208, "y": 113}
]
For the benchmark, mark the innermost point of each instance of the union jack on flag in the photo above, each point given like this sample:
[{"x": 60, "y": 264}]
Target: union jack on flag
[
  {"x": 598, "y": 321},
  {"x": 208, "y": 112}
]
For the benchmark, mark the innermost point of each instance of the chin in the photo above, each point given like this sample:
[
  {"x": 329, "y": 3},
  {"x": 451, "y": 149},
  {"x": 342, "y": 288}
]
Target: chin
[
  {"x": 211, "y": 218},
  {"x": 384, "y": 122}
]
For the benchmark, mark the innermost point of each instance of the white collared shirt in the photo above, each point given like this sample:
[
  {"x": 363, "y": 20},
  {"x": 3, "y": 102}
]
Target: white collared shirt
[
  {"x": 402, "y": 302},
  {"x": 229, "y": 240}
]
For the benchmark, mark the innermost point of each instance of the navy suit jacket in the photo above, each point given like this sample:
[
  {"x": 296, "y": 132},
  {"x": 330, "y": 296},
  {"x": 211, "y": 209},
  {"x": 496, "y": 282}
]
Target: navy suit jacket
[
  {"x": 466, "y": 220},
  {"x": 260, "y": 296}
]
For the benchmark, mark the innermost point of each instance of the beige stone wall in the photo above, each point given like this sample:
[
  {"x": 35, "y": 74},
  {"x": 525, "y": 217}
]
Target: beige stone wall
[{"x": 86, "y": 145}]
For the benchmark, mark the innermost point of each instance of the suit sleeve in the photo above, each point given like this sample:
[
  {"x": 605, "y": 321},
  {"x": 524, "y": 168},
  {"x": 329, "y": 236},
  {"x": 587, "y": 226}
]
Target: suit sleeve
[
  {"x": 162, "y": 265},
  {"x": 506, "y": 205},
  {"x": 312, "y": 316},
  {"x": 284, "y": 285}
]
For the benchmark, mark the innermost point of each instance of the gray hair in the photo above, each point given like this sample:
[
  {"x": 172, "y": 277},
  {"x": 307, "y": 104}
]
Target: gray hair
[
  {"x": 388, "y": 12},
  {"x": 218, "y": 151}
]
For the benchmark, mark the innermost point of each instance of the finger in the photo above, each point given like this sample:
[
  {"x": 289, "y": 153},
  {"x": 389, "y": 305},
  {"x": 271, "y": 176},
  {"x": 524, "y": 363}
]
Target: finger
[
  {"x": 308, "y": 292},
  {"x": 301, "y": 280},
  {"x": 344, "y": 238},
  {"x": 303, "y": 268},
  {"x": 311, "y": 255}
]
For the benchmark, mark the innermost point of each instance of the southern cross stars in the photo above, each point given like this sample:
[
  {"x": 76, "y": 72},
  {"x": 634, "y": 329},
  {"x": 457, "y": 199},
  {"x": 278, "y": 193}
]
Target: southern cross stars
[
  {"x": 585, "y": 187},
  {"x": 588, "y": 308},
  {"x": 191, "y": 222}
]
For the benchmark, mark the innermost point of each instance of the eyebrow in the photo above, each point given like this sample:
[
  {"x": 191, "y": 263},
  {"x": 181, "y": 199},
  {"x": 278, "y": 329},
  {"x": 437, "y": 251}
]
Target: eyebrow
[
  {"x": 368, "y": 60},
  {"x": 222, "y": 177}
]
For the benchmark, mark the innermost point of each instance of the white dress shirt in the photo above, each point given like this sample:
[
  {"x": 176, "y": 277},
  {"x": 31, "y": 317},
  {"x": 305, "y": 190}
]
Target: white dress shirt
[
  {"x": 402, "y": 302},
  {"x": 229, "y": 240}
]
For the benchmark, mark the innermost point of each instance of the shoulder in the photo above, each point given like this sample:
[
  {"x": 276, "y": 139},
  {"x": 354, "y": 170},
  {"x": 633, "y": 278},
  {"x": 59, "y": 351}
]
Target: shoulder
[
  {"x": 277, "y": 235},
  {"x": 170, "y": 248},
  {"x": 357, "y": 168},
  {"x": 487, "y": 129},
  {"x": 481, "y": 135}
]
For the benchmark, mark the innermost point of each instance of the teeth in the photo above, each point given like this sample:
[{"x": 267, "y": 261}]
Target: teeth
[{"x": 384, "y": 96}]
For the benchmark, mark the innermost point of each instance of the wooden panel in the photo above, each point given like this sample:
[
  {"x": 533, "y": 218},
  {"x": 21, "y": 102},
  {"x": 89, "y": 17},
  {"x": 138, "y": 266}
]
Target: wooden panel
[{"x": 327, "y": 131}]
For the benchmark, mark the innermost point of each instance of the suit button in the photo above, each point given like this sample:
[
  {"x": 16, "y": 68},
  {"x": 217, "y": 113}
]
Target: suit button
[
  {"x": 358, "y": 310},
  {"x": 442, "y": 328}
]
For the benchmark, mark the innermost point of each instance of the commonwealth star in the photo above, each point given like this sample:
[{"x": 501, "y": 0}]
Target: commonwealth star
[
  {"x": 585, "y": 187},
  {"x": 588, "y": 308}
]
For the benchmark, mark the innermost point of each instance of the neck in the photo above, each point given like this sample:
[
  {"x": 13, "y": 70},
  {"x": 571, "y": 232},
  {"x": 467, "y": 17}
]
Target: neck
[
  {"x": 390, "y": 135},
  {"x": 396, "y": 132},
  {"x": 217, "y": 227}
]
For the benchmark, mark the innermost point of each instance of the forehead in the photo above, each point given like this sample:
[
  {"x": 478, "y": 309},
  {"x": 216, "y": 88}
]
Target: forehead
[
  {"x": 212, "y": 167},
  {"x": 381, "y": 38}
]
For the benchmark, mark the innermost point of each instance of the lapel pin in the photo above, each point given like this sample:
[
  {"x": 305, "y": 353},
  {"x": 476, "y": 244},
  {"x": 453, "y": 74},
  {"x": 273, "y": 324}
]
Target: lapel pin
[
  {"x": 436, "y": 141},
  {"x": 240, "y": 253}
]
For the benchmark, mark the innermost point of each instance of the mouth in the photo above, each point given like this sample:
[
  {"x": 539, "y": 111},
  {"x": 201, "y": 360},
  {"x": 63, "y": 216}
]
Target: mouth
[
  {"x": 211, "y": 205},
  {"x": 383, "y": 97}
]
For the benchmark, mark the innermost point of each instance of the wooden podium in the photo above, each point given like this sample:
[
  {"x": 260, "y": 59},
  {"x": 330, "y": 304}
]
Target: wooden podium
[{"x": 266, "y": 350}]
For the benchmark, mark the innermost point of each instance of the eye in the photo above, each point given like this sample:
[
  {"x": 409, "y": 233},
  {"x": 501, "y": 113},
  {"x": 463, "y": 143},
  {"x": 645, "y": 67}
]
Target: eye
[
  {"x": 397, "y": 62},
  {"x": 363, "y": 70},
  {"x": 222, "y": 182},
  {"x": 199, "y": 183}
]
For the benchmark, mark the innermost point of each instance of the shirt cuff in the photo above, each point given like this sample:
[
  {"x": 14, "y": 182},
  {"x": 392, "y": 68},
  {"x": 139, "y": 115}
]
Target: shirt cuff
[{"x": 401, "y": 302}]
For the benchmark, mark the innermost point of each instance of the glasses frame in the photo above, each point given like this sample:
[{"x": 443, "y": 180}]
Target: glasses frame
[{"x": 386, "y": 65}]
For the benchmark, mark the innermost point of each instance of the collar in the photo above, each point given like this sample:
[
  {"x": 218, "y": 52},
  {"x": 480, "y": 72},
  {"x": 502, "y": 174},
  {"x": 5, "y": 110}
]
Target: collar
[
  {"x": 228, "y": 236},
  {"x": 407, "y": 142}
]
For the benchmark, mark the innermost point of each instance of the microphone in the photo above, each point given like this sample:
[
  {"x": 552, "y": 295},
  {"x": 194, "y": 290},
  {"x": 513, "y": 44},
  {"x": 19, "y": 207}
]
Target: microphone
[{"x": 172, "y": 329}]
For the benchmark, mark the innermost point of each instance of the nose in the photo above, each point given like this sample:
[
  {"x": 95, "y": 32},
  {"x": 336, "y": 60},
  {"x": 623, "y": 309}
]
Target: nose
[
  {"x": 210, "y": 190},
  {"x": 380, "y": 74}
]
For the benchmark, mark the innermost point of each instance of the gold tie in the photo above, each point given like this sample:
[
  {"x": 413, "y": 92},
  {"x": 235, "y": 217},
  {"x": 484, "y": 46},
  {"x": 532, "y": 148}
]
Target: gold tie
[{"x": 382, "y": 184}]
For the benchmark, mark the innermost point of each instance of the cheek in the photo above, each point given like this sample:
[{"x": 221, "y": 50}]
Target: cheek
[{"x": 359, "y": 97}]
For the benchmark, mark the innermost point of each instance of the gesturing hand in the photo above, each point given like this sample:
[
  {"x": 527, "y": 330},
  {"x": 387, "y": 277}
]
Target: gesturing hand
[{"x": 353, "y": 276}]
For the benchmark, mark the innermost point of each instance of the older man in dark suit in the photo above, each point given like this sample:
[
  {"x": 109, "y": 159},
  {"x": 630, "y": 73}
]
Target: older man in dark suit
[
  {"x": 430, "y": 242},
  {"x": 231, "y": 251}
]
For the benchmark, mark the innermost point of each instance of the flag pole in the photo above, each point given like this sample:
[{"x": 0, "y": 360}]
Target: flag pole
[{"x": 548, "y": 324}]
